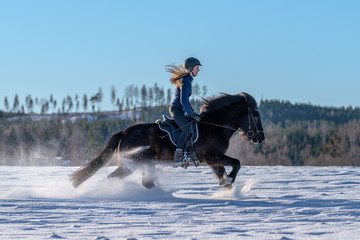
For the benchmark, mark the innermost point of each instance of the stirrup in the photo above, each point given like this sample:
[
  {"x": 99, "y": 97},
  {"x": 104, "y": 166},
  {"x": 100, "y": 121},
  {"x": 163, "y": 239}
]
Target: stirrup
[
  {"x": 184, "y": 163},
  {"x": 191, "y": 157}
]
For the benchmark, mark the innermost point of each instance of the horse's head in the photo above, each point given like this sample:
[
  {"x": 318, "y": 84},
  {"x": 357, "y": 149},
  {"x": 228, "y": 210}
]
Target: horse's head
[
  {"x": 250, "y": 122},
  {"x": 235, "y": 111}
]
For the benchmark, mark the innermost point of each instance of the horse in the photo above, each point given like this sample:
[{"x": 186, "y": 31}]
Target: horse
[{"x": 145, "y": 144}]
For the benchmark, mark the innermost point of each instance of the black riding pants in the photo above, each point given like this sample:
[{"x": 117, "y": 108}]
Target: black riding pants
[{"x": 183, "y": 122}]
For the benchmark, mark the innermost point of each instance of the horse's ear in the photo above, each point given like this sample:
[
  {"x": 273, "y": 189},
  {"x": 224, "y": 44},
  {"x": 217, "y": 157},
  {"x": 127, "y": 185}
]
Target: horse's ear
[{"x": 245, "y": 95}]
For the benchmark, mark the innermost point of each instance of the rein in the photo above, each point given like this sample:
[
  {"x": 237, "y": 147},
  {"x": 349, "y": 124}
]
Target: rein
[
  {"x": 249, "y": 133},
  {"x": 208, "y": 123},
  {"x": 222, "y": 126}
]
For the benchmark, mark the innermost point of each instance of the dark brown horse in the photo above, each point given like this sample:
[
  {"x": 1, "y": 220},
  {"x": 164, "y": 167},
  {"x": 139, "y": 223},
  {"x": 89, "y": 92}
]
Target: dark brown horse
[{"x": 146, "y": 145}]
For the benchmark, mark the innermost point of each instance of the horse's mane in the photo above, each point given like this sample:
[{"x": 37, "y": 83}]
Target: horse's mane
[{"x": 224, "y": 100}]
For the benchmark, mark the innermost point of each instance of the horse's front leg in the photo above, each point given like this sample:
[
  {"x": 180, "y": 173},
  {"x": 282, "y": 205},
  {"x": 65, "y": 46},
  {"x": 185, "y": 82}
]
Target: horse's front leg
[
  {"x": 223, "y": 178},
  {"x": 219, "y": 171},
  {"x": 218, "y": 163}
]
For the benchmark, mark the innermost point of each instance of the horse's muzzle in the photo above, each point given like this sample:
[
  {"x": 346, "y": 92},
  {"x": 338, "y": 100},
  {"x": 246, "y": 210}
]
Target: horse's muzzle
[{"x": 258, "y": 138}]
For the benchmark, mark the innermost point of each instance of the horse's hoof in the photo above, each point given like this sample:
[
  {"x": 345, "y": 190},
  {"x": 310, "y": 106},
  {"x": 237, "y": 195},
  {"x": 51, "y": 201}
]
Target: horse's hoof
[
  {"x": 148, "y": 185},
  {"x": 183, "y": 165},
  {"x": 196, "y": 162},
  {"x": 228, "y": 187},
  {"x": 226, "y": 181}
]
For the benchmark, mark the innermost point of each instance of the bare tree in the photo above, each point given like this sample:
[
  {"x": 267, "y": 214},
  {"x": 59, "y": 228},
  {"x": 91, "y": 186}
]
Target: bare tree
[
  {"x": 77, "y": 102},
  {"x": 119, "y": 104},
  {"x": 113, "y": 95},
  {"x": 136, "y": 96},
  {"x": 204, "y": 91},
  {"x": 96, "y": 99},
  {"x": 161, "y": 97},
  {"x": 151, "y": 96},
  {"x": 85, "y": 102},
  {"x": 129, "y": 95},
  {"x": 93, "y": 100},
  {"x": 63, "y": 105},
  {"x": 127, "y": 106},
  {"x": 196, "y": 91},
  {"x": 16, "y": 103},
  {"x": 44, "y": 107},
  {"x": 6, "y": 103},
  {"x": 169, "y": 96},
  {"x": 100, "y": 96},
  {"x": 69, "y": 103},
  {"x": 54, "y": 104},
  {"x": 157, "y": 94},
  {"x": 143, "y": 96},
  {"x": 51, "y": 100}
]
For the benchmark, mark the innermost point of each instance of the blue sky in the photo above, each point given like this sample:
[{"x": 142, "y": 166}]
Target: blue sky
[{"x": 301, "y": 51}]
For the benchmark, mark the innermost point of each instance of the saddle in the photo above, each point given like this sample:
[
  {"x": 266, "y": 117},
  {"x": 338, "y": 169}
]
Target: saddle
[{"x": 169, "y": 126}]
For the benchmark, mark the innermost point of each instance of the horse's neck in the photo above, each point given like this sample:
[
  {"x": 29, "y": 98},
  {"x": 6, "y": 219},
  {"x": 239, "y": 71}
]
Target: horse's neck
[{"x": 221, "y": 119}]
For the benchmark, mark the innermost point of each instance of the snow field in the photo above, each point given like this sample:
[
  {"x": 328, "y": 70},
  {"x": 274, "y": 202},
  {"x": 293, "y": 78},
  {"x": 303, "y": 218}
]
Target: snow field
[{"x": 265, "y": 203}]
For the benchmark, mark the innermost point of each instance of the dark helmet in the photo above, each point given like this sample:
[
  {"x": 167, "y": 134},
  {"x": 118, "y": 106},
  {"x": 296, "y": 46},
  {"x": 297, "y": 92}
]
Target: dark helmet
[{"x": 191, "y": 62}]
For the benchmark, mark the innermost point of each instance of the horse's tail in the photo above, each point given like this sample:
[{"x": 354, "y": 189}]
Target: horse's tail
[{"x": 104, "y": 157}]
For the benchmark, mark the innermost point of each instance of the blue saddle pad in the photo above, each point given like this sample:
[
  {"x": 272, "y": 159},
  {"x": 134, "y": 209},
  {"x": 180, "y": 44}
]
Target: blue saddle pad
[{"x": 169, "y": 126}]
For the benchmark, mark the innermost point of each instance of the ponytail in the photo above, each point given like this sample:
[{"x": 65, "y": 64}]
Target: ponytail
[{"x": 178, "y": 72}]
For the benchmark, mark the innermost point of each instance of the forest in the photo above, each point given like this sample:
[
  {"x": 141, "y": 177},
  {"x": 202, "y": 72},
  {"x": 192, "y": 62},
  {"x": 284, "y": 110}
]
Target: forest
[{"x": 43, "y": 132}]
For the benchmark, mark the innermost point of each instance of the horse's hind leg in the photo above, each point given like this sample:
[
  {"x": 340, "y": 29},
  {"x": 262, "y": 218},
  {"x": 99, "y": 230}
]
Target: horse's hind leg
[
  {"x": 145, "y": 158},
  {"x": 141, "y": 157},
  {"x": 148, "y": 174},
  {"x": 121, "y": 172}
]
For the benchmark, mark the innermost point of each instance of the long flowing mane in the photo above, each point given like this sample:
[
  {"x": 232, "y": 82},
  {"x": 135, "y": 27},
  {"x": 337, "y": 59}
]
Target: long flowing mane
[{"x": 224, "y": 100}]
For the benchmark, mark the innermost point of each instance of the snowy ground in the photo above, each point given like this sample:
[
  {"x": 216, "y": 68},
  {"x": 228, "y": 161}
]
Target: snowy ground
[{"x": 266, "y": 203}]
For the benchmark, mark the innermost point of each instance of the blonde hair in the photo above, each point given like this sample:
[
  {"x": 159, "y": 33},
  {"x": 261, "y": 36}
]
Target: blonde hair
[{"x": 178, "y": 72}]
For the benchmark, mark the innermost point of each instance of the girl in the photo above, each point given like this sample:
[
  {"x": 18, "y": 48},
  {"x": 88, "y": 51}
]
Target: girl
[{"x": 180, "y": 108}]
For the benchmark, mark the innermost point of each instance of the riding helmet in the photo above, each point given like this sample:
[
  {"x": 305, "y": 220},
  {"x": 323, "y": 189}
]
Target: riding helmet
[{"x": 191, "y": 62}]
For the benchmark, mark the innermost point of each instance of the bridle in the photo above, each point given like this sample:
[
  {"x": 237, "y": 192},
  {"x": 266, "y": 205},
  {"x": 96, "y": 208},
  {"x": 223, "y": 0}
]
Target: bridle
[{"x": 250, "y": 133}]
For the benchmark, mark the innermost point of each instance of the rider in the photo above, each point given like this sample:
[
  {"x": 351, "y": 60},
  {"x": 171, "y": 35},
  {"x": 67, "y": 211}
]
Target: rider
[{"x": 180, "y": 108}]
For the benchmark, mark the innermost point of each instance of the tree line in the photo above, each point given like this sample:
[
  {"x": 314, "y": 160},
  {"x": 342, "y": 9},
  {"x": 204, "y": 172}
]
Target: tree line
[
  {"x": 296, "y": 134},
  {"x": 304, "y": 135},
  {"x": 134, "y": 96},
  {"x": 283, "y": 111}
]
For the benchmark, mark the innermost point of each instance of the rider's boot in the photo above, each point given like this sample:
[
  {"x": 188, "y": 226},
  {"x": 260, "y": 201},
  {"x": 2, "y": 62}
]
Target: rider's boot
[
  {"x": 178, "y": 158},
  {"x": 192, "y": 156}
]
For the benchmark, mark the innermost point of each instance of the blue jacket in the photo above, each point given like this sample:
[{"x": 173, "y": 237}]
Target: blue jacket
[{"x": 182, "y": 95}]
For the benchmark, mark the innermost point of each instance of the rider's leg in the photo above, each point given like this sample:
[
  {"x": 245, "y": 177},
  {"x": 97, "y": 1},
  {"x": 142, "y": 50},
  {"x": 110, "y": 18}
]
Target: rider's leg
[{"x": 183, "y": 122}]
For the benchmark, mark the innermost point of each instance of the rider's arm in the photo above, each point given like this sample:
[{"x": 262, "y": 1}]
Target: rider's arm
[{"x": 185, "y": 94}]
